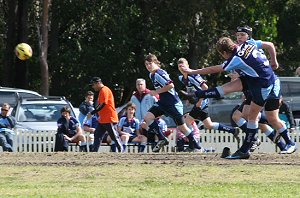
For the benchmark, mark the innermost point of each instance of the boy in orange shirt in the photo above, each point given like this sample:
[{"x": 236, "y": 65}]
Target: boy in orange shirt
[{"x": 108, "y": 117}]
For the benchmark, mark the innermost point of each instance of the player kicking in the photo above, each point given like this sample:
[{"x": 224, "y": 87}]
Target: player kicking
[{"x": 199, "y": 111}]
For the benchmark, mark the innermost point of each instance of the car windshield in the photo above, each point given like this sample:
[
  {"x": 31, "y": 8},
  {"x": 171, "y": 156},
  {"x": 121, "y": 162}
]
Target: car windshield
[{"x": 39, "y": 112}]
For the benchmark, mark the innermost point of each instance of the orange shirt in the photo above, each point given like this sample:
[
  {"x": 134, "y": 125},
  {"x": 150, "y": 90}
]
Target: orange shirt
[{"x": 108, "y": 113}]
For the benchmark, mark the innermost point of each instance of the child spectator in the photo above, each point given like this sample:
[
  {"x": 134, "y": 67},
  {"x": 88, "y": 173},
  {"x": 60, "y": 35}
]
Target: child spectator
[
  {"x": 86, "y": 106},
  {"x": 68, "y": 131},
  {"x": 128, "y": 129}
]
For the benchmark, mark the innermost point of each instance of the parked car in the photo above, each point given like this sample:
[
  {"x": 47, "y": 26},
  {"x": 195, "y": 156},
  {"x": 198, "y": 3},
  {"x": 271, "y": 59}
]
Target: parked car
[
  {"x": 11, "y": 95},
  {"x": 39, "y": 113}
]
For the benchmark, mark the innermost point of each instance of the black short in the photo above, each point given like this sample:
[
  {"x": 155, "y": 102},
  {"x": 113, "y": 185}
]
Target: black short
[
  {"x": 272, "y": 104},
  {"x": 198, "y": 113},
  {"x": 150, "y": 136}
]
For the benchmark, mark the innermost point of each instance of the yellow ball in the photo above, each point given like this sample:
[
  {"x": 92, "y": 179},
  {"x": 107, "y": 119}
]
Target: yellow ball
[{"x": 23, "y": 51}]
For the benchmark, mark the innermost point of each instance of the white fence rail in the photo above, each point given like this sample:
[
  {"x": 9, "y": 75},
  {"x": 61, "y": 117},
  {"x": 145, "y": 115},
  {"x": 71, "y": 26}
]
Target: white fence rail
[{"x": 213, "y": 140}]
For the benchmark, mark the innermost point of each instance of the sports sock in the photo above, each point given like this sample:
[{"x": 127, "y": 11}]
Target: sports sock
[
  {"x": 124, "y": 147},
  {"x": 157, "y": 130},
  {"x": 242, "y": 124},
  {"x": 252, "y": 129},
  {"x": 223, "y": 127},
  {"x": 193, "y": 143},
  {"x": 210, "y": 93},
  {"x": 271, "y": 136},
  {"x": 286, "y": 136},
  {"x": 113, "y": 147},
  {"x": 142, "y": 147}
]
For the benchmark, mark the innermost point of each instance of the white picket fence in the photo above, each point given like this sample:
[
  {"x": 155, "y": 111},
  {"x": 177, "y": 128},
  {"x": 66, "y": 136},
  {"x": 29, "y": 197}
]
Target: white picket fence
[{"x": 212, "y": 140}]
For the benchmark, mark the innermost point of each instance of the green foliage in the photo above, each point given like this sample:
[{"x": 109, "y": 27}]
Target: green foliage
[{"x": 110, "y": 38}]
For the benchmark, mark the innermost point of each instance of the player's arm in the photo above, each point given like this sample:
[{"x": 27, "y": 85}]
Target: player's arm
[
  {"x": 119, "y": 129},
  {"x": 269, "y": 46},
  {"x": 204, "y": 71},
  {"x": 165, "y": 88}
]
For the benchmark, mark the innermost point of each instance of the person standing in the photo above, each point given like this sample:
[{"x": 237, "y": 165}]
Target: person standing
[
  {"x": 286, "y": 115},
  {"x": 7, "y": 123},
  {"x": 142, "y": 99},
  {"x": 108, "y": 117},
  {"x": 86, "y": 106}
]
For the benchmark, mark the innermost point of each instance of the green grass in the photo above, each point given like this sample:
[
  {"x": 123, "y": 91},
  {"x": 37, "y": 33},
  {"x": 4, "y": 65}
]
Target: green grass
[{"x": 144, "y": 180}]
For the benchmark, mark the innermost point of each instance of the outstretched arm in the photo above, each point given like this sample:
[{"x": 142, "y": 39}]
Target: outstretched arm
[{"x": 204, "y": 71}]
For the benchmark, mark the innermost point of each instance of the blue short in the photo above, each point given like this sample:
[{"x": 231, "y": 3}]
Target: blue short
[{"x": 261, "y": 94}]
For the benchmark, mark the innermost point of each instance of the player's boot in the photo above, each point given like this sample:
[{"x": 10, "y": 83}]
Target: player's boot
[
  {"x": 239, "y": 155},
  {"x": 160, "y": 144}
]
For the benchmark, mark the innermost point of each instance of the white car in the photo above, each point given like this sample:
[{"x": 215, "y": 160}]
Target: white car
[
  {"x": 39, "y": 114},
  {"x": 11, "y": 95}
]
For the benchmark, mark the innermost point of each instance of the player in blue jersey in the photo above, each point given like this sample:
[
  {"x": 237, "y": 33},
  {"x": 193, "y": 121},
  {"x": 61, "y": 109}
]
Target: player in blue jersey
[
  {"x": 169, "y": 103},
  {"x": 262, "y": 85},
  {"x": 199, "y": 111},
  {"x": 244, "y": 33}
]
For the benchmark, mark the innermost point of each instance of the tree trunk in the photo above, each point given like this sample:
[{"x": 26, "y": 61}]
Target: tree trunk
[
  {"x": 7, "y": 77},
  {"x": 21, "y": 75},
  {"x": 44, "y": 48}
]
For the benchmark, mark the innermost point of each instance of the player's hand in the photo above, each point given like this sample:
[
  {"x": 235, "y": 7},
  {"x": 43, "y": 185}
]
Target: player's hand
[
  {"x": 199, "y": 103},
  {"x": 153, "y": 93},
  {"x": 68, "y": 138},
  {"x": 89, "y": 115},
  {"x": 143, "y": 125},
  {"x": 186, "y": 69},
  {"x": 274, "y": 64},
  {"x": 233, "y": 75}
]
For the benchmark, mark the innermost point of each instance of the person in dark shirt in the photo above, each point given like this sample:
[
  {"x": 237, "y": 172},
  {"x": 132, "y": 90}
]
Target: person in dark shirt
[
  {"x": 68, "y": 131},
  {"x": 86, "y": 106},
  {"x": 286, "y": 115},
  {"x": 7, "y": 123}
]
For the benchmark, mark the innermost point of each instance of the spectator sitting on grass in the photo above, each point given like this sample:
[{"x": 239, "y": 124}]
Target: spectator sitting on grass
[
  {"x": 128, "y": 129},
  {"x": 7, "y": 123},
  {"x": 68, "y": 131}
]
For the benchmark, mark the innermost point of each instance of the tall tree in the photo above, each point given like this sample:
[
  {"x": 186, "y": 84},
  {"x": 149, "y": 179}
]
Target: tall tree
[
  {"x": 9, "y": 57},
  {"x": 21, "y": 70},
  {"x": 43, "y": 46}
]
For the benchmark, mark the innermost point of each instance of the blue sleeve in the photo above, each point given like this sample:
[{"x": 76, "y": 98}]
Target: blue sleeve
[
  {"x": 163, "y": 78},
  {"x": 137, "y": 124},
  {"x": 121, "y": 122}
]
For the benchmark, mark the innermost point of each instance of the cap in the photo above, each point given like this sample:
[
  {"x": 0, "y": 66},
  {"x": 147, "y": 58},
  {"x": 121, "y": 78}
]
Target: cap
[
  {"x": 245, "y": 29},
  {"x": 95, "y": 80}
]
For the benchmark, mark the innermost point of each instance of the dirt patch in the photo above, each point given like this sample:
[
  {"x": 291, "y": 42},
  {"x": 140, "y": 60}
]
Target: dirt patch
[{"x": 91, "y": 159}]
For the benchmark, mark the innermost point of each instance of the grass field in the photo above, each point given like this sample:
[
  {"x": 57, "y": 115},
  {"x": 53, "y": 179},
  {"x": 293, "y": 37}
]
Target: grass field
[{"x": 146, "y": 176}]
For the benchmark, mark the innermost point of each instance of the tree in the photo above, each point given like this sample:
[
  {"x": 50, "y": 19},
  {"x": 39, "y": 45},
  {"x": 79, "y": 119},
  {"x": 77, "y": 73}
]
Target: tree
[{"x": 43, "y": 46}]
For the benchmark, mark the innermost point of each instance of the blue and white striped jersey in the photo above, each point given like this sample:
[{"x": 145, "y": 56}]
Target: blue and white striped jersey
[
  {"x": 194, "y": 81},
  {"x": 129, "y": 126},
  {"x": 160, "y": 79},
  {"x": 252, "y": 63}
]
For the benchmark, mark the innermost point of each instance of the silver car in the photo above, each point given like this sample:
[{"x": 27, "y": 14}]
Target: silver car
[{"x": 39, "y": 114}]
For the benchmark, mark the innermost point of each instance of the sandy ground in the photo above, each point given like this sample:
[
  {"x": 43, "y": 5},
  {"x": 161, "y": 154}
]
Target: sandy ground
[{"x": 91, "y": 159}]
